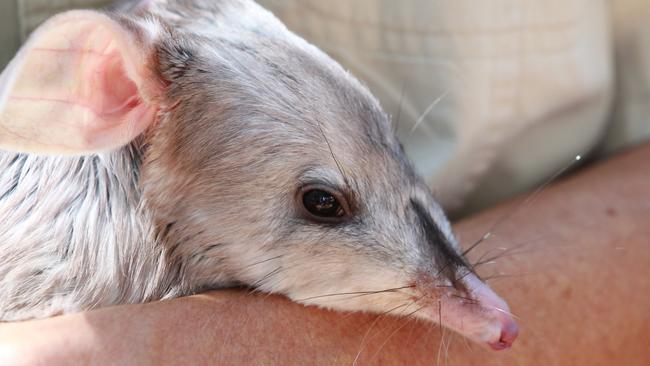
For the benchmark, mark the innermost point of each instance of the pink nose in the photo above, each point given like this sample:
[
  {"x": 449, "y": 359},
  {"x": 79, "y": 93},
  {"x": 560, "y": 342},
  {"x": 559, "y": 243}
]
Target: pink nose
[
  {"x": 494, "y": 308},
  {"x": 509, "y": 332}
]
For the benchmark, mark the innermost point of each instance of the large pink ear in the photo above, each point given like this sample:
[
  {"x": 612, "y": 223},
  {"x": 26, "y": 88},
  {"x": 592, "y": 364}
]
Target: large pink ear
[{"x": 83, "y": 83}]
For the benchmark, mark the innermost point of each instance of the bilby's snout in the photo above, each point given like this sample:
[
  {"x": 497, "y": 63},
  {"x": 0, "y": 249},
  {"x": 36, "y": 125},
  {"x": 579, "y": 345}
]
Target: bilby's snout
[
  {"x": 492, "y": 306},
  {"x": 477, "y": 312}
]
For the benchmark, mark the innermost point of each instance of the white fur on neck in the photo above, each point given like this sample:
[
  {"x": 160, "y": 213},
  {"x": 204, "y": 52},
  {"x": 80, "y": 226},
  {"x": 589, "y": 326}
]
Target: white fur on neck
[{"x": 74, "y": 235}]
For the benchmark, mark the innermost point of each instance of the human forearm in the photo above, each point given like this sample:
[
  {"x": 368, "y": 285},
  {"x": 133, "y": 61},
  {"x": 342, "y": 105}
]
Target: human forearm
[{"x": 580, "y": 289}]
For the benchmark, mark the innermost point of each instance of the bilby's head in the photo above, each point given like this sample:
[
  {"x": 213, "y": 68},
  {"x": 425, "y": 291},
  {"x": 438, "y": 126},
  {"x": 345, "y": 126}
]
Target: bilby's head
[{"x": 265, "y": 163}]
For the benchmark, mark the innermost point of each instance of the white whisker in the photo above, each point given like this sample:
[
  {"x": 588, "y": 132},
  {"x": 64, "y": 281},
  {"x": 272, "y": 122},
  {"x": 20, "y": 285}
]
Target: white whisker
[{"x": 428, "y": 110}]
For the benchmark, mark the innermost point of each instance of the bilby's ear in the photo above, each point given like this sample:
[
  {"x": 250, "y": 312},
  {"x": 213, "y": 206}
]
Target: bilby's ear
[{"x": 82, "y": 83}]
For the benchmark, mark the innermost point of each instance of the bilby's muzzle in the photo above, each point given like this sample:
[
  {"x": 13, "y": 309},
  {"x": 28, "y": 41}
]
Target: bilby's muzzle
[{"x": 477, "y": 313}]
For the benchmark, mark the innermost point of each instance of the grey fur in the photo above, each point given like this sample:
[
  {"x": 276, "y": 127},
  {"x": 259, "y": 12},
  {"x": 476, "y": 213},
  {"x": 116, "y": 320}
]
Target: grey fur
[
  {"x": 207, "y": 197},
  {"x": 74, "y": 235}
]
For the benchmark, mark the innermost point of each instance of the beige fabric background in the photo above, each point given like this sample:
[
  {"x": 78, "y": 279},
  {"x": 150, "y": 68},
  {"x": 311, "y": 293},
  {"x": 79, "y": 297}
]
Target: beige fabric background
[
  {"x": 506, "y": 92},
  {"x": 631, "y": 112},
  {"x": 526, "y": 84}
]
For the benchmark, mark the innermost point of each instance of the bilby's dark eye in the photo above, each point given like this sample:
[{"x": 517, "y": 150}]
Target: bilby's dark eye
[{"x": 322, "y": 204}]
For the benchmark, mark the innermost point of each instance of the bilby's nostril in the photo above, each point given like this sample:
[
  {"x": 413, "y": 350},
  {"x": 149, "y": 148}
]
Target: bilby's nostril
[{"x": 509, "y": 332}]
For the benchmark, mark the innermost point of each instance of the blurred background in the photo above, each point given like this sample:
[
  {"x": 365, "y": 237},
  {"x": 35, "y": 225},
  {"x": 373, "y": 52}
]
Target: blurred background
[{"x": 492, "y": 97}]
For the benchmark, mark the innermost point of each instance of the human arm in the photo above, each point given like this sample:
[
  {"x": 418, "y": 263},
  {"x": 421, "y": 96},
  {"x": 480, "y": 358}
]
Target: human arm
[{"x": 580, "y": 288}]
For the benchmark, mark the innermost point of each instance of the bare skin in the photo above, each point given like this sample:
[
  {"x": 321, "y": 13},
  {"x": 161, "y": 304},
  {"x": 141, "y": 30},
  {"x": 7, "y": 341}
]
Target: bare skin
[{"x": 580, "y": 287}]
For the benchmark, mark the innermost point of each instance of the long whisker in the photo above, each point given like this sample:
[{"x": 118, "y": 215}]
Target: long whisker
[
  {"x": 505, "y": 252},
  {"x": 399, "y": 108},
  {"x": 470, "y": 300},
  {"x": 266, "y": 277},
  {"x": 504, "y": 275},
  {"x": 501, "y": 311},
  {"x": 363, "y": 340},
  {"x": 410, "y": 318},
  {"x": 442, "y": 333},
  {"x": 428, "y": 110},
  {"x": 450, "y": 338},
  {"x": 440, "y": 317},
  {"x": 365, "y": 336},
  {"x": 486, "y": 253},
  {"x": 263, "y": 261},
  {"x": 485, "y": 237},
  {"x": 498, "y": 256},
  {"x": 336, "y": 161},
  {"x": 521, "y": 205},
  {"x": 466, "y": 343},
  {"x": 362, "y": 293}
]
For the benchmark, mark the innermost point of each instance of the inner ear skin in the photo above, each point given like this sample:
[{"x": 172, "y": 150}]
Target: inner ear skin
[
  {"x": 120, "y": 91},
  {"x": 81, "y": 84}
]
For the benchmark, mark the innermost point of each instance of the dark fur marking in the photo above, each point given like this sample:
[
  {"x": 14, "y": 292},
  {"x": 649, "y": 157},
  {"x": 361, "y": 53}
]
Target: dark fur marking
[
  {"x": 212, "y": 247},
  {"x": 173, "y": 248},
  {"x": 16, "y": 180},
  {"x": 446, "y": 257},
  {"x": 66, "y": 252},
  {"x": 167, "y": 229}
]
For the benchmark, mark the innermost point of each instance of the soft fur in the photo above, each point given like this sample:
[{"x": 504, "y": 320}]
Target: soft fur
[{"x": 206, "y": 197}]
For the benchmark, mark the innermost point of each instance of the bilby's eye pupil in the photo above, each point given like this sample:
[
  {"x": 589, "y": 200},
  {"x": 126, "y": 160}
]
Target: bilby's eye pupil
[{"x": 322, "y": 204}]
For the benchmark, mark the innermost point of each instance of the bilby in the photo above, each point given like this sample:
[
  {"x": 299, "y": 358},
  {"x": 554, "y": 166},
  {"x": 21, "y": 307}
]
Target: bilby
[{"x": 170, "y": 147}]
